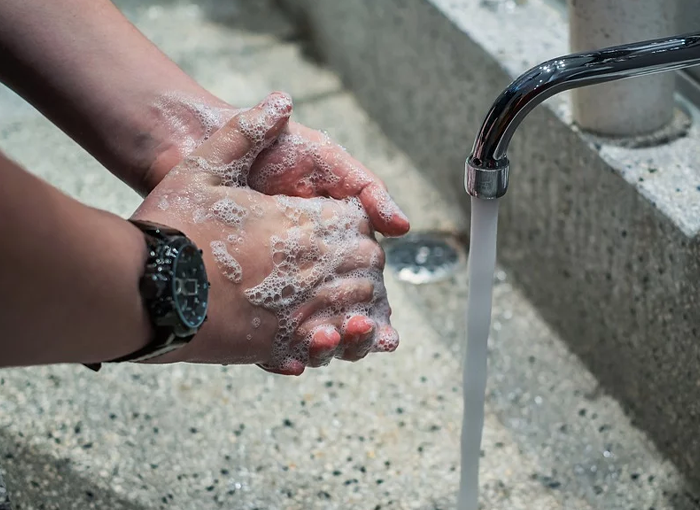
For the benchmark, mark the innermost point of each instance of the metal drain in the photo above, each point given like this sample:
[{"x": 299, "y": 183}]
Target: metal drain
[{"x": 424, "y": 257}]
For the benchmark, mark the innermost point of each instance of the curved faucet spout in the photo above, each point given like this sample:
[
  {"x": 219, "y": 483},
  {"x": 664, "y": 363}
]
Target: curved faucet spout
[{"x": 487, "y": 168}]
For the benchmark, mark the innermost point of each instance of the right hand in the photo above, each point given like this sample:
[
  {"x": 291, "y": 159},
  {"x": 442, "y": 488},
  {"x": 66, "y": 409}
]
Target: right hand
[
  {"x": 295, "y": 282},
  {"x": 302, "y": 162}
]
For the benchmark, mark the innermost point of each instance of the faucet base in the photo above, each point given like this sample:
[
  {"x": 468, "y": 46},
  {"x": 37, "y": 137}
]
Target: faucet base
[{"x": 488, "y": 180}]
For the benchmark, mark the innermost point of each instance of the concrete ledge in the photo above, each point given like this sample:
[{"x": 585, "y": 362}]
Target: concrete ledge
[{"x": 602, "y": 238}]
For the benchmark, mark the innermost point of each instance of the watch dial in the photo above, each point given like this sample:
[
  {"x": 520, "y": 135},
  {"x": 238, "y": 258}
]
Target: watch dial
[{"x": 190, "y": 287}]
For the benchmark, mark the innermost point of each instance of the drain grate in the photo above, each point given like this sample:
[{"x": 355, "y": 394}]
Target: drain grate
[{"x": 424, "y": 257}]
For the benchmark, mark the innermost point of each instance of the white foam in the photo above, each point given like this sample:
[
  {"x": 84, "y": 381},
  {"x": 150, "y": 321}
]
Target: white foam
[
  {"x": 293, "y": 151},
  {"x": 200, "y": 215},
  {"x": 254, "y": 124},
  {"x": 228, "y": 265},
  {"x": 229, "y": 212},
  {"x": 190, "y": 120},
  {"x": 163, "y": 204},
  {"x": 307, "y": 256},
  {"x": 324, "y": 235}
]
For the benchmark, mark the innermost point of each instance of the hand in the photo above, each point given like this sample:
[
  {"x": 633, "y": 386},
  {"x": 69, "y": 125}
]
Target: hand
[
  {"x": 301, "y": 162},
  {"x": 295, "y": 282}
]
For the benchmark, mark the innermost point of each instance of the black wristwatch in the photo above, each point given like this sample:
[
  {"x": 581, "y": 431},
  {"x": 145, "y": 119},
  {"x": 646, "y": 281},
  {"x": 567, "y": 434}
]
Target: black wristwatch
[{"x": 174, "y": 289}]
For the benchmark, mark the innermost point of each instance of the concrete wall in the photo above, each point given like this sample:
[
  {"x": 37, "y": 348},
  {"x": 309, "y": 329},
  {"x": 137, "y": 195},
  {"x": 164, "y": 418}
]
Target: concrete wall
[{"x": 601, "y": 237}]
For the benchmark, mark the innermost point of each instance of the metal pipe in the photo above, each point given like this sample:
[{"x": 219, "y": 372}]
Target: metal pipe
[{"x": 487, "y": 168}]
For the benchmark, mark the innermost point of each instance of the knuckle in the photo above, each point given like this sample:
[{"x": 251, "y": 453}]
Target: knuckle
[
  {"x": 378, "y": 256},
  {"x": 374, "y": 253},
  {"x": 365, "y": 227},
  {"x": 366, "y": 291}
]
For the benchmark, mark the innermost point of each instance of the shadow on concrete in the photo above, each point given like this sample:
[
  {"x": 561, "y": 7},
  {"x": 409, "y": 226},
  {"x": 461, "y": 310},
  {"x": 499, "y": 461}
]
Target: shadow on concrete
[
  {"x": 38, "y": 481},
  {"x": 271, "y": 17},
  {"x": 259, "y": 16}
]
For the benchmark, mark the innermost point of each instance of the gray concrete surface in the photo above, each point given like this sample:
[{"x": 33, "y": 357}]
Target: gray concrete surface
[
  {"x": 601, "y": 236},
  {"x": 380, "y": 434},
  {"x": 4, "y": 496},
  {"x": 628, "y": 107}
]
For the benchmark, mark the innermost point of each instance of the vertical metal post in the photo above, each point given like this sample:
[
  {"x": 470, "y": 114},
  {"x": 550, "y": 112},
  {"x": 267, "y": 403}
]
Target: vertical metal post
[{"x": 630, "y": 107}]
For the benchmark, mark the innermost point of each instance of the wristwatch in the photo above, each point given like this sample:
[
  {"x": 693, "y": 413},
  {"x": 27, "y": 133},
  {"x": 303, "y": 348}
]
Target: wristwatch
[{"x": 174, "y": 290}]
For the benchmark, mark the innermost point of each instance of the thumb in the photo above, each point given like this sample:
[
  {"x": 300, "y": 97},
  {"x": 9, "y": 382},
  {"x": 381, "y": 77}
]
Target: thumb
[{"x": 231, "y": 150}]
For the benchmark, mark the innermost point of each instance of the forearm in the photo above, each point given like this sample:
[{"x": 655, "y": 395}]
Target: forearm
[
  {"x": 68, "y": 276},
  {"x": 93, "y": 74}
]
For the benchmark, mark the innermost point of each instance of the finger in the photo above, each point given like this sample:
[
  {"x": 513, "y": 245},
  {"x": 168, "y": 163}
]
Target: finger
[
  {"x": 335, "y": 296},
  {"x": 387, "y": 339},
  {"x": 358, "y": 338},
  {"x": 319, "y": 351},
  {"x": 323, "y": 330},
  {"x": 230, "y": 151},
  {"x": 347, "y": 215},
  {"x": 353, "y": 179},
  {"x": 386, "y": 216},
  {"x": 324, "y": 343},
  {"x": 289, "y": 367},
  {"x": 367, "y": 255},
  {"x": 287, "y": 167},
  {"x": 306, "y": 163}
]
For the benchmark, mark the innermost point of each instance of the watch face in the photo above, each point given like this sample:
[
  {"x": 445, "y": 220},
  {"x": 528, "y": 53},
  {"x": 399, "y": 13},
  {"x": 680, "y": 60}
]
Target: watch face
[{"x": 190, "y": 287}]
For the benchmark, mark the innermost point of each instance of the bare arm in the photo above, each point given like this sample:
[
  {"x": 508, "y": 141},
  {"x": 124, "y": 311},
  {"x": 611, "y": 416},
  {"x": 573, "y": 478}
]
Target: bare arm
[
  {"x": 89, "y": 70},
  {"x": 69, "y": 274},
  {"x": 68, "y": 277}
]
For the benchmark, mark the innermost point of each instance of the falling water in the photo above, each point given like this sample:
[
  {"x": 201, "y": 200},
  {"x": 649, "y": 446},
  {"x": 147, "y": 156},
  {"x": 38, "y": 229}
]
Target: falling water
[{"x": 482, "y": 263}]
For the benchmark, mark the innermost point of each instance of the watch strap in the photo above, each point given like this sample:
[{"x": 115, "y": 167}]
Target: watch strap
[{"x": 164, "y": 338}]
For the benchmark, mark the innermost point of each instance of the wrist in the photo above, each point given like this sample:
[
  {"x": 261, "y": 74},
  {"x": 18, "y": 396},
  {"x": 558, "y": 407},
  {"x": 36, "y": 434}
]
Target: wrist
[
  {"x": 130, "y": 328},
  {"x": 100, "y": 93},
  {"x": 174, "y": 289},
  {"x": 174, "y": 124}
]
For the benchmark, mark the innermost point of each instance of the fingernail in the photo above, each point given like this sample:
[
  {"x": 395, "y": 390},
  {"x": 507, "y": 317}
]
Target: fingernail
[
  {"x": 389, "y": 209},
  {"x": 402, "y": 216},
  {"x": 277, "y": 105},
  {"x": 368, "y": 328},
  {"x": 388, "y": 341},
  {"x": 258, "y": 123},
  {"x": 398, "y": 213}
]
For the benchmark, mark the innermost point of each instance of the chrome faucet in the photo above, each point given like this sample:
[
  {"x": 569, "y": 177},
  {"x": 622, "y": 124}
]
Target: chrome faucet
[{"x": 487, "y": 168}]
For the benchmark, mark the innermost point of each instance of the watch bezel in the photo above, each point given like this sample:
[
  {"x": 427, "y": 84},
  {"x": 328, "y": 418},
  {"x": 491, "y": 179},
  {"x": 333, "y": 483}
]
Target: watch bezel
[
  {"x": 157, "y": 288},
  {"x": 189, "y": 326},
  {"x": 162, "y": 303}
]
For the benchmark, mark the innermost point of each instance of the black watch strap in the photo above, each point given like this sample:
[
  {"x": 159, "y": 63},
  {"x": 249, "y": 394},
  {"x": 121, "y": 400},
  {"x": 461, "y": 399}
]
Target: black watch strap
[{"x": 164, "y": 339}]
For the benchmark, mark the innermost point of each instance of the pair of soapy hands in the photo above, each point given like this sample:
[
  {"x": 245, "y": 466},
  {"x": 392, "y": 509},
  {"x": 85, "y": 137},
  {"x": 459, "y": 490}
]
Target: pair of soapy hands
[{"x": 286, "y": 220}]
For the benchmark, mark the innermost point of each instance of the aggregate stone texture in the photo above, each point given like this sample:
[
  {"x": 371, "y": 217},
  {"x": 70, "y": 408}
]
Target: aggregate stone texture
[
  {"x": 4, "y": 496},
  {"x": 642, "y": 105},
  {"x": 600, "y": 235},
  {"x": 379, "y": 434}
]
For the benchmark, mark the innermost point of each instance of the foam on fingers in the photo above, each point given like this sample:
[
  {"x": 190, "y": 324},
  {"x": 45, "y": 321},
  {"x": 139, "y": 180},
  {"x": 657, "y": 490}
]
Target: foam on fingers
[
  {"x": 341, "y": 296},
  {"x": 315, "y": 245},
  {"x": 230, "y": 152}
]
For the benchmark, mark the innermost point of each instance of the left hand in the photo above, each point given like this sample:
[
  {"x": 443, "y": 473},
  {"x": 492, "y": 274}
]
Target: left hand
[{"x": 303, "y": 162}]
